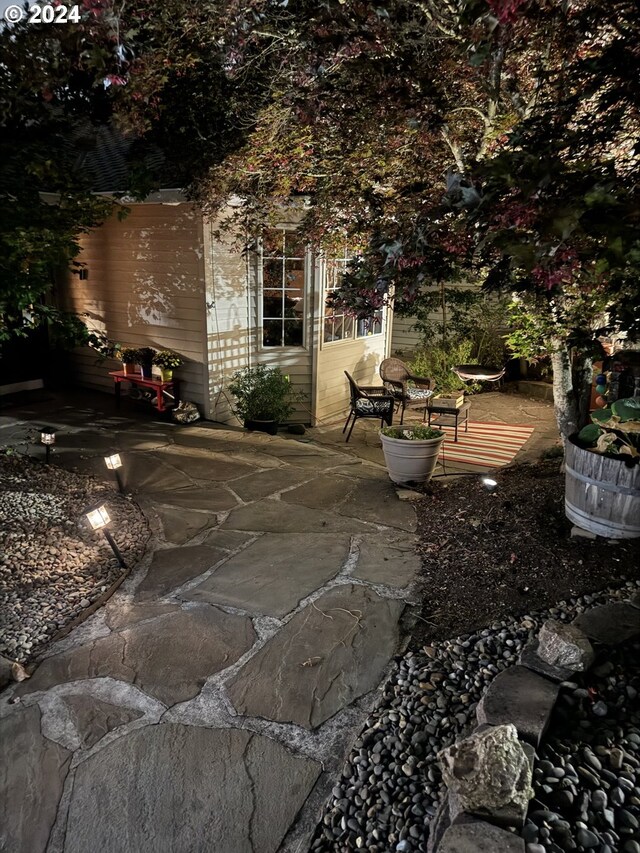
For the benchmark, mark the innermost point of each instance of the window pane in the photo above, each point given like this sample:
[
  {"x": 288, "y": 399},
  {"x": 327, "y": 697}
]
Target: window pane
[
  {"x": 272, "y": 242},
  {"x": 272, "y": 303},
  {"x": 294, "y": 246},
  {"x": 372, "y": 326},
  {"x": 272, "y": 274},
  {"x": 293, "y": 333},
  {"x": 272, "y": 333}
]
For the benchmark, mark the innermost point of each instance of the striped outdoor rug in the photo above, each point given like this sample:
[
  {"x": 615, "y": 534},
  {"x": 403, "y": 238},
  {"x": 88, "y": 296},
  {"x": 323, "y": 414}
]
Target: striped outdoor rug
[{"x": 486, "y": 444}]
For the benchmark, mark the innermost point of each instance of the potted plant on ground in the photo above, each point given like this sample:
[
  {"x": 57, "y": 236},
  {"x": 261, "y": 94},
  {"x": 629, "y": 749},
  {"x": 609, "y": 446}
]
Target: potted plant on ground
[
  {"x": 145, "y": 360},
  {"x": 411, "y": 453},
  {"x": 602, "y": 472},
  {"x": 130, "y": 357},
  {"x": 263, "y": 397},
  {"x": 167, "y": 360}
]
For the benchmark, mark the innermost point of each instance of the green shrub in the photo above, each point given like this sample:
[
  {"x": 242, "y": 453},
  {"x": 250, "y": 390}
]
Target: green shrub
[{"x": 435, "y": 362}]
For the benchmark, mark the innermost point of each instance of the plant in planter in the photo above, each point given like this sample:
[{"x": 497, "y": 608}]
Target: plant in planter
[
  {"x": 167, "y": 360},
  {"x": 130, "y": 358},
  {"x": 263, "y": 397},
  {"x": 602, "y": 467},
  {"x": 411, "y": 453},
  {"x": 145, "y": 360}
]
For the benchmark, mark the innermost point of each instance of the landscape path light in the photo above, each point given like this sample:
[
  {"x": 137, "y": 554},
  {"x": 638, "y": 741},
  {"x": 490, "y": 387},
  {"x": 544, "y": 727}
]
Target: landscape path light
[
  {"x": 47, "y": 437},
  {"x": 99, "y": 519},
  {"x": 114, "y": 463},
  {"x": 489, "y": 483}
]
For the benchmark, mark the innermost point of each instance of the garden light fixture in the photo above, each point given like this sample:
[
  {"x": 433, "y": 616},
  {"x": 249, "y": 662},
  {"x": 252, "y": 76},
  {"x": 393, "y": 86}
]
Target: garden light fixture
[
  {"x": 99, "y": 518},
  {"x": 114, "y": 463},
  {"x": 489, "y": 483},
  {"x": 47, "y": 437}
]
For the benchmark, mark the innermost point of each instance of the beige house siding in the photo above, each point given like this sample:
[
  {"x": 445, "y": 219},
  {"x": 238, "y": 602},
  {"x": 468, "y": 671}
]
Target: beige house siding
[
  {"x": 361, "y": 357},
  {"x": 145, "y": 287},
  {"x": 404, "y": 338}
]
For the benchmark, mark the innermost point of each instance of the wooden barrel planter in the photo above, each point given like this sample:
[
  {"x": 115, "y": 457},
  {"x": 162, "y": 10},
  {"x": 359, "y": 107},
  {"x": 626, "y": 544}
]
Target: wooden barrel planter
[{"x": 602, "y": 494}]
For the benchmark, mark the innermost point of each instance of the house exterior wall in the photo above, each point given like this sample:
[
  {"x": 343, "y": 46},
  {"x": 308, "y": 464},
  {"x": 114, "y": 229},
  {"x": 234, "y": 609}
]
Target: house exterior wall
[
  {"x": 234, "y": 327},
  {"x": 361, "y": 357},
  {"x": 145, "y": 287}
]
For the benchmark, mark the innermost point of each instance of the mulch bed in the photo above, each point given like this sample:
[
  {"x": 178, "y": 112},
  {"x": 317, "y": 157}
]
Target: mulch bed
[{"x": 491, "y": 555}]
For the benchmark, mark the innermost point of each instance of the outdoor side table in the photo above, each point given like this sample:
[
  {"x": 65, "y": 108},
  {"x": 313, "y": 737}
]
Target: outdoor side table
[
  {"x": 168, "y": 390},
  {"x": 460, "y": 415}
]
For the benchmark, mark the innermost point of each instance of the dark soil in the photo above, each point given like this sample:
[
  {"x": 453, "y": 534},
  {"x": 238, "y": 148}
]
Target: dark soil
[{"x": 488, "y": 555}]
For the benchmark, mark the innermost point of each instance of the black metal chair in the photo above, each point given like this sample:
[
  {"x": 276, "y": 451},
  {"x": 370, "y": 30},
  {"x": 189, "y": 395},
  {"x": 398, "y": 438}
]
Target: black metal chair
[
  {"x": 396, "y": 378},
  {"x": 368, "y": 401}
]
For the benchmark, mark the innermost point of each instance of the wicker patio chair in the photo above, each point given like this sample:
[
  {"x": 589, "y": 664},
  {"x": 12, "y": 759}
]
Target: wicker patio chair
[
  {"x": 396, "y": 380},
  {"x": 368, "y": 401}
]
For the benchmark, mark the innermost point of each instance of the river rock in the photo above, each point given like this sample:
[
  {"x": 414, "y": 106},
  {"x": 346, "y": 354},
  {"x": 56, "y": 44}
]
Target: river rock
[
  {"x": 469, "y": 835},
  {"x": 521, "y": 697},
  {"x": 488, "y": 772},
  {"x": 610, "y": 623},
  {"x": 565, "y": 645}
]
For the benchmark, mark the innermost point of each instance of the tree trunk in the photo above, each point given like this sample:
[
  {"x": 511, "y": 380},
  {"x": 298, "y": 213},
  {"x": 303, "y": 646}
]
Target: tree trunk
[{"x": 571, "y": 388}]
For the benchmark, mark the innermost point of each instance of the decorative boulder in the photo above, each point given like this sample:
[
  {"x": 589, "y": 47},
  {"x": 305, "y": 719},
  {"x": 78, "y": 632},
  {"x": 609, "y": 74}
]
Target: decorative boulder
[
  {"x": 488, "y": 772},
  {"x": 565, "y": 645}
]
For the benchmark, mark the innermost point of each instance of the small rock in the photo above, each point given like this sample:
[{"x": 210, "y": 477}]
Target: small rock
[{"x": 565, "y": 645}]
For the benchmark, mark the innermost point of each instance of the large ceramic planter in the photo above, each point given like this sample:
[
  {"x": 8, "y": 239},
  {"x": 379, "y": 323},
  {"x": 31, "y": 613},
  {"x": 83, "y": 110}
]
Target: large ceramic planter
[
  {"x": 410, "y": 461},
  {"x": 602, "y": 493}
]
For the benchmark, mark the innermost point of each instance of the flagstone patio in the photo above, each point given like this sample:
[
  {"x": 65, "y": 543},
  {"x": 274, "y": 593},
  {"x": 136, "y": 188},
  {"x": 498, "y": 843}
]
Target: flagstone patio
[{"x": 210, "y": 704}]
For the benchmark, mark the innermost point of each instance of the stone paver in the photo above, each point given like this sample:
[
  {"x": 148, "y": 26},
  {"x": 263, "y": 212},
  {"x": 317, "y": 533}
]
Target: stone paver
[
  {"x": 207, "y": 499},
  {"x": 173, "y": 567},
  {"x": 240, "y": 812},
  {"x": 203, "y": 466},
  {"x": 387, "y": 558},
  {"x": 328, "y": 655},
  {"x": 93, "y": 718},
  {"x": 32, "y": 773},
  {"x": 374, "y": 500},
  {"x": 277, "y": 516},
  {"x": 267, "y": 482},
  {"x": 169, "y": 658},
  {"x": 145, "y": 472},
  {"x": 119, "y": 613},
  {"x": 275, "y": 573},
  {"x": 180, "y": 524}
]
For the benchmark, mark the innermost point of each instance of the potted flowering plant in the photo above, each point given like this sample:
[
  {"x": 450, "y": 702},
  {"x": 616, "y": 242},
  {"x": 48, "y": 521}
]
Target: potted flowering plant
[
  {"x": 129, "y": 356},
  {"x": 411, "y": 453},
  {"x": 167, "y": 360},
  {"x": 145, "y": 360}
]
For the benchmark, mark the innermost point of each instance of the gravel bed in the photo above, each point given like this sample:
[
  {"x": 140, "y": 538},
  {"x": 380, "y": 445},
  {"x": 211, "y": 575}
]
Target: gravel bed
[
  {"x": 391, "y": 784},
  {"x": 587, "y": 778},
  {"x": 51, "y": 566}
]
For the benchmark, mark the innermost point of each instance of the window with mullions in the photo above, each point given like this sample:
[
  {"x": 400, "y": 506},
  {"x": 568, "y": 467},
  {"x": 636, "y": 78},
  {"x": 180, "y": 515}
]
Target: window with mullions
[
  {"x": 337, "y": 325},
  {"x": 283, "y": 307}
]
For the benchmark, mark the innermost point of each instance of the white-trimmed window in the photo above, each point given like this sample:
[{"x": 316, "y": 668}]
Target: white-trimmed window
[
  {"x": 283, "y": 291},
  {"x": 339, "y": 326}
]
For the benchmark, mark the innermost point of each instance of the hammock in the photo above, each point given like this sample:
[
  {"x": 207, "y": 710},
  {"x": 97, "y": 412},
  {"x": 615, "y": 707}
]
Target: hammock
[{"x": 478, "y": 373}]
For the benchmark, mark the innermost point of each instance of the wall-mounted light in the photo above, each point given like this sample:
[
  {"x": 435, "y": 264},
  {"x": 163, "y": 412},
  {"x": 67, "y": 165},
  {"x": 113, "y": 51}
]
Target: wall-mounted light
[
  {"x": 47, "y": 437},
  {"x": 114, "y": 463},
  {"x": 489, "y": 483},
  {"x": 99, "y": 519}
]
